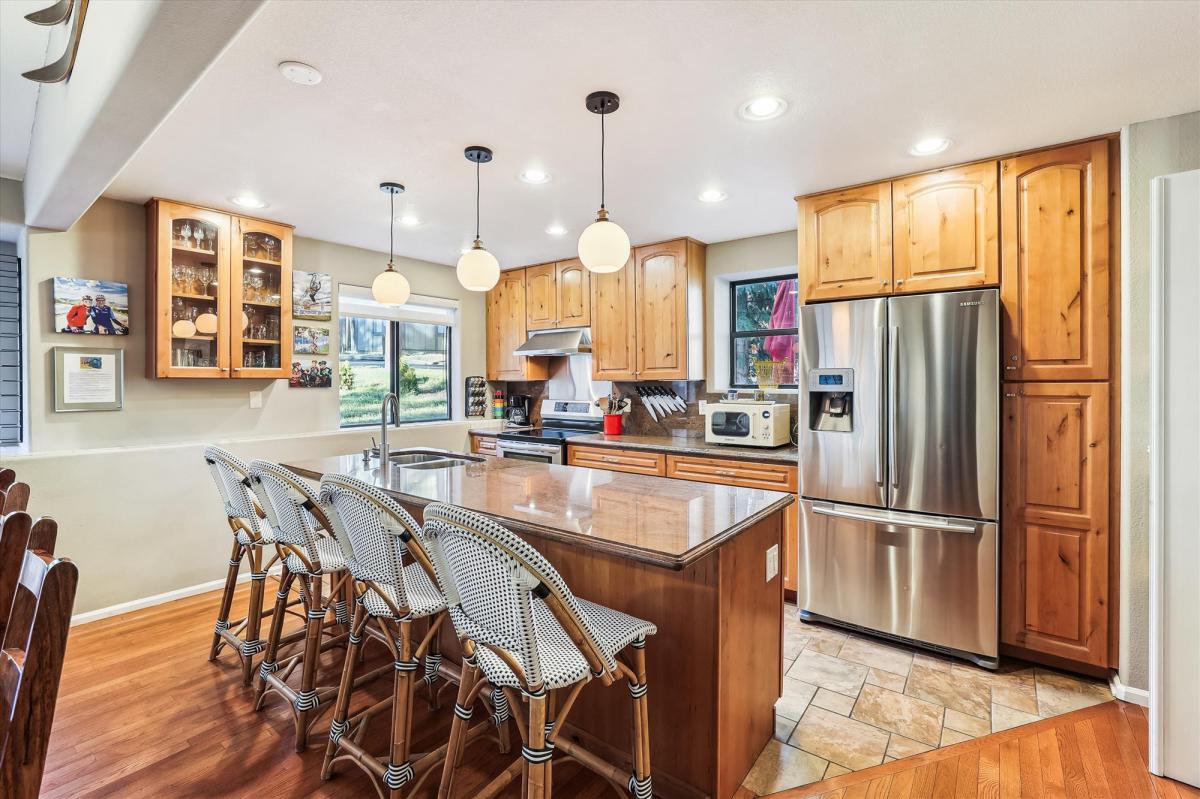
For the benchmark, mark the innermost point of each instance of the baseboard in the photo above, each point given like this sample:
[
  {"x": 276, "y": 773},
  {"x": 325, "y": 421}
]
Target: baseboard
[
  {"x": 156, "y": 599},
  {"x": 1138, "y": 696}
]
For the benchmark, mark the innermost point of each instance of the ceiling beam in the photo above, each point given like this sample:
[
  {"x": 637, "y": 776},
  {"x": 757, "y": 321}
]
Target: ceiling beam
[{"x": 136, "y": 62}]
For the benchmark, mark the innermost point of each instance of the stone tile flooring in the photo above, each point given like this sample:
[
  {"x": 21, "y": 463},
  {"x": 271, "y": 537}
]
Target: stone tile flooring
[{"x": 851, "y": 702}]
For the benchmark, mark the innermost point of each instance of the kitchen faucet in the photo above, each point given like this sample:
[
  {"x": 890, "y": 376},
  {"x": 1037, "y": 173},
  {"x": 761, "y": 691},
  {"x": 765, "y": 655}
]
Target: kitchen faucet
[{"x": 394, "y": 401}]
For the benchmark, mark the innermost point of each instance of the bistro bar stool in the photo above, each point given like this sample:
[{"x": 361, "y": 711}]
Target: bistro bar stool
[
  {"x": 297, "y": 520},
  {"x": 381, "y": 543},
  {"x": 251, "y": 535},
  {"x": 527, "y": 633}
]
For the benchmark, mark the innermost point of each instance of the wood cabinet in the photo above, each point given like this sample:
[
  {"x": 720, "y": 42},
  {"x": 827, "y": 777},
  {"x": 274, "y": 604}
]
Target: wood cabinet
[
  {"x": 1054, "y": 263},
  {"x": 557, "y": 295},
  {"x": 669, "y": 310},
  {"x": 219, "y": 294},
  {"x": 506, "y": 330},
  {"x": 1055, "y": 522},
  {"x": 483, "y": 445},
  {"x": 946, "y": 229},
  {"x": 541, "y": 297},
  {"x": 635, "y": 461},
  {"x": 845, "y": 243},
  {"x": 614, "y": 324}
]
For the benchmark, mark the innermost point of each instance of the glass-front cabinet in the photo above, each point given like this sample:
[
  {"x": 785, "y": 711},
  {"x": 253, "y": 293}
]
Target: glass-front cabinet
[{"x": 219, "y": 294}]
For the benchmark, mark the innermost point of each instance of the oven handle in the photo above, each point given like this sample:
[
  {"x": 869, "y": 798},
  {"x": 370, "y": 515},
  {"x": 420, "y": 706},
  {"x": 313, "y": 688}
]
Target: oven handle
[
  {"x": 532, "y": 449},
  {"x": 898, "y": 519}
]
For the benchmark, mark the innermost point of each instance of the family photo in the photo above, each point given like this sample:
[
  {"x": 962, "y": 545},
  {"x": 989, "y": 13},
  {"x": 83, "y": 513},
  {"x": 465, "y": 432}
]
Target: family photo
[
  {"x": 319, "y": 374},
  {"x": 99, "y": 307}
]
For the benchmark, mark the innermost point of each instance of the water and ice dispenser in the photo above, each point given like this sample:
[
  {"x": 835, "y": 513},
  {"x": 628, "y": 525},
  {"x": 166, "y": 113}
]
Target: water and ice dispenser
[{"x": 831, "y": 400}]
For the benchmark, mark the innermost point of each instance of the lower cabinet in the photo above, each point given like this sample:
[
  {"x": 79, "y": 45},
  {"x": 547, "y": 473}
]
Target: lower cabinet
[
  {"x": 634, "y": 461},
  {"x": 483, "y": 445},
  {"x": 1054, "y": 574}
]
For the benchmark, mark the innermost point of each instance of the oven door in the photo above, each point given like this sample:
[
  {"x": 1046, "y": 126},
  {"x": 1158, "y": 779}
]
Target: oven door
[{"x": 530, "y": 451}]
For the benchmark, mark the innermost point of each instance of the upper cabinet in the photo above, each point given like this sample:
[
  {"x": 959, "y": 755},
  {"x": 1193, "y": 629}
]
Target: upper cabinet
[
  {"x": 218, "y": 294},
  {"x": 946, "y": 229},
  {"x": 541, "y": 297},
  {"x": 1054, "y": 263},
  {"x": 845, "y": 241},
  {"x": 506, "y": 330},
  {"x": 614, "y": 324},
  {"x": 557, "y": 295},
  {"x": 669, "y": 310}
]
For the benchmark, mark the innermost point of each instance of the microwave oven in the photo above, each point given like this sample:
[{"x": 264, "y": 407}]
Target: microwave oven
[{"x": 748, "y": 423}]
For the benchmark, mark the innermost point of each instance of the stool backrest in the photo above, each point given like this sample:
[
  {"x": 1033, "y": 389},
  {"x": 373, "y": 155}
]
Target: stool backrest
[
  {"x": 15, "y": 529},
  {"x": 232, "y": 478},
  {"x": 30, "y": 668},
  {"x": 293, "y": 510},
  {"x": 7, "y": 478},
  {"x": 14, "y": 498},
  {"x": 374, "y": 531},
  {"x": 491, "y": 578}
]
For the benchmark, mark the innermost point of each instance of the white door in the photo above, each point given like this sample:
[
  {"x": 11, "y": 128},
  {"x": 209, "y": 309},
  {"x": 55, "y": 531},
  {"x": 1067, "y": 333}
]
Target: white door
[{"x": 1175, "y": 478}]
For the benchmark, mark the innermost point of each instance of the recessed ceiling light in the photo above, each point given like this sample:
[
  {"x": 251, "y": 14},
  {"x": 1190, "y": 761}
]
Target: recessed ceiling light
[
  {"x": 711, "y": 196},
  {"x": 535, "y": 175},
  {"x": 556, "y": 230},
  {"x": 760, "y": 109},
  {"x": 409, "y": 220},
  {"x": 931, "y": 146},
  {"x": 247, "y": 201},
  {"x": 299, "y": 72}
]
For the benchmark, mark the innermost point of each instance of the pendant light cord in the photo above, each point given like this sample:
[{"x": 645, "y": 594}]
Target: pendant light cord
[
  {"x": 602, "y": 162},
  {"x": 476, "y": 201},
  {"x": 391, "y": 228}
]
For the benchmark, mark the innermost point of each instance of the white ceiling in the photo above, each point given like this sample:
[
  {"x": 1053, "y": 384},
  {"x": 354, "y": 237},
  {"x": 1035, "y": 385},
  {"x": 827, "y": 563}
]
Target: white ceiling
[
  {"x": 23, "y": 45},
  {"x": 408, "y": 85}
]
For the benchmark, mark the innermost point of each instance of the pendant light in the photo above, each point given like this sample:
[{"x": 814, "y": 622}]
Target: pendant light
[
  {"x": 390, "y": 287},
  {"x": 478, "y": 269},
  {"x": 603, "y": 245}
]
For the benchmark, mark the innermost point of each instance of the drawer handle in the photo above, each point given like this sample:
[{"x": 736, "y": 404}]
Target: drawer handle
[
  {"x": 725, "y": 472},
  {"x": 610, "y": 459}
]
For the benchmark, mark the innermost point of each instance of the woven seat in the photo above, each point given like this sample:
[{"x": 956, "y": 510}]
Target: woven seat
[
  {"x": 424, "y": 598},
  {"x": 329, "y": 555},
  {"x": 265, "y": 536}
]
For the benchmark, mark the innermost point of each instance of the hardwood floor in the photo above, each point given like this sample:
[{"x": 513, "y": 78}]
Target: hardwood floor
[{"x": 142, "y": 713}]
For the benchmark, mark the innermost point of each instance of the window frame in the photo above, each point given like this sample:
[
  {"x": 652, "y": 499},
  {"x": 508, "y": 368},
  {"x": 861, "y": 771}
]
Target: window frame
[
  {"x": 392, "y": 346},
  {"x": 735, "y": 334}
]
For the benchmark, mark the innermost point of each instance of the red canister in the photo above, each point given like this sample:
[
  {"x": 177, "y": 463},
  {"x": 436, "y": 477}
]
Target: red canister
[{"x": 612, "y": 424}]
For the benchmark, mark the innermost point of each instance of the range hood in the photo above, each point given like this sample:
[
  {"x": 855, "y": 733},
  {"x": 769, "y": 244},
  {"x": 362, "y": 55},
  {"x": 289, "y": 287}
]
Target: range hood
[{"x": 572, "y": 341}]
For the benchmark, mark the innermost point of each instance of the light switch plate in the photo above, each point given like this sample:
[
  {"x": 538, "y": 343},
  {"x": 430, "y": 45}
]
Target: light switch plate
[
  {"x": 255, "y": 399},
  {"x": 772, "y": 562}
]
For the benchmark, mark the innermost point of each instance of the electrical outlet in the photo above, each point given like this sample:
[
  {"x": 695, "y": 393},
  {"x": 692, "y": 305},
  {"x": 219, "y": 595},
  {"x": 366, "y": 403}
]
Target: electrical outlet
[
  {"x": 772, "y": 562},
  {"x": 255, "y": 399}
]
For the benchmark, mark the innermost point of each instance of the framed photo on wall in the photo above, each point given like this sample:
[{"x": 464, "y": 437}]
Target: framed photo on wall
[
  {"x": 99, "y": 307},
  {"x": 312, "y": 296},
  {"x": 88, "y": 379},
  {"x": 310, "y": 340}
]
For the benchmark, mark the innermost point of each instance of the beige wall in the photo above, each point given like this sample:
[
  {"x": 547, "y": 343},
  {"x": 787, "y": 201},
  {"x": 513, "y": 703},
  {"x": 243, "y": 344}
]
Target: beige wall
[{"x": 1149, "y": 149}]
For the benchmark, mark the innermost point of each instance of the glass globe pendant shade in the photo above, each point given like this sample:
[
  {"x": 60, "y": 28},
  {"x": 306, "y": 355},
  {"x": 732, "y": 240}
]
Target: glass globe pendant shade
[
  {"x": 390, "y": 287},
  {"x": 603, "y": 245},
  {"x": 478, "y": 269}
]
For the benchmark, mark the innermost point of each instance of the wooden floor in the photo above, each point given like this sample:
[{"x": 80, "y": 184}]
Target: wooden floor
[{"x": 142, "y": 713}]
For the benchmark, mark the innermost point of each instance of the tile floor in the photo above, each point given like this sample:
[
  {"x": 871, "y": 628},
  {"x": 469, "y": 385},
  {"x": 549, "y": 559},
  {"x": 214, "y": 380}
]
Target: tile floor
[{"x": 851, "y": 702}]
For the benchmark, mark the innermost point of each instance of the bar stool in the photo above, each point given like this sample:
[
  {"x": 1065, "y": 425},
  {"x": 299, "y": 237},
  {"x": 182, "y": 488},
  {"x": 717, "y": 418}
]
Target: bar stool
[
  {"x": 381, "y": 544},
  {"x": 297, "y": 520},
  {"x": 251, "y": 535},
  {"x": 526, "y": 632}
]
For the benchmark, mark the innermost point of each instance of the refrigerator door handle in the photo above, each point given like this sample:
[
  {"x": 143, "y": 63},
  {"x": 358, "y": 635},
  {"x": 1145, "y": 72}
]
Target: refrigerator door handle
[
  {"x": 898, "y": 519},
  {"x": 893, "y": 379},
  {"x": 881, "y": 336}
]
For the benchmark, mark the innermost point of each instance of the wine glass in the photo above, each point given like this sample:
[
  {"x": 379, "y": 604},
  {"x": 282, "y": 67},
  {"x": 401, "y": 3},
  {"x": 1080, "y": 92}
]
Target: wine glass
[
  {"x": 206, "y": 279},
  {"x": 186, "y": 233}
]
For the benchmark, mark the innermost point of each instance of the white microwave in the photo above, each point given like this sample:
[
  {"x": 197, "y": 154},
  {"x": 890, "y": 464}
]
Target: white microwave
[{"x": 748, "y": 423}]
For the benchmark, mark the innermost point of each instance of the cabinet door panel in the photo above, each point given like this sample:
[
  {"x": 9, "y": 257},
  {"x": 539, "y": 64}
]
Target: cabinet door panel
[
  {"x": 261, "y": 301},
  {"x": 1054, "y": 573},
  {"x": 946, "y": 226},
  {"x": 614, "y": 324},
  {"x": 1055, "y": 264},
  {"x": 506, "y": 326},
  {"x": 846, "y": 243},
  {"x": 574, "y": 293},
  {"x": 661, "y": 275},
  {"x": 541, "y": 297}
]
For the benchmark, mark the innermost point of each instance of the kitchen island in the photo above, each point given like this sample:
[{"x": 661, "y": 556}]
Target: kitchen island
[{"x": 690, "y": 557}]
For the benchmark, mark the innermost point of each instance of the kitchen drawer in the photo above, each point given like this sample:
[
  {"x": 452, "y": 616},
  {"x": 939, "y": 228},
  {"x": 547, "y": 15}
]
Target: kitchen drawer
[
  {"x": 483, "y": 445},
  {"x": 617, "y": 460},
  {"x": 744, "y": 474}
]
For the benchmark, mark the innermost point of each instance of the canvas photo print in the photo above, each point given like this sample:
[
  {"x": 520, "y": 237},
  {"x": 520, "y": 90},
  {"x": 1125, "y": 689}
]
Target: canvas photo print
[
  {"x": 310, "y": 340},
  {"x": 97, "y": 307},
  {"x": 312, "y": 296},
  {"x": 317, "y": 374}
]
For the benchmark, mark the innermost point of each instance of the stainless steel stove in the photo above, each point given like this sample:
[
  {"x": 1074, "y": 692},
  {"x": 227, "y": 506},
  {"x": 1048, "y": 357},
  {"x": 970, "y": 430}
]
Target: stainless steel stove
[{"x": 561, "y": 421}]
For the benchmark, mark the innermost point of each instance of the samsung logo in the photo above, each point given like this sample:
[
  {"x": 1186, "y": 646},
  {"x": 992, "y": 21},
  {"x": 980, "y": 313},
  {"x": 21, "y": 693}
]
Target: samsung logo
[{"x": 970, "y": 303}]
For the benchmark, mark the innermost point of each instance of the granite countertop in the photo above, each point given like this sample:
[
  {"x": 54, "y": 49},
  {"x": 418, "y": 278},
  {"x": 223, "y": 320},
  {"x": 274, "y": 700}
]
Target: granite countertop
[
  {"x": 681, "y": 445},
  {"x": 655, "y": 520}
]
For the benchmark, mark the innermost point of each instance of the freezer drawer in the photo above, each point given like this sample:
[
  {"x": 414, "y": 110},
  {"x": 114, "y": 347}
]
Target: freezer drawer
[{"x": 931, "y": 579}]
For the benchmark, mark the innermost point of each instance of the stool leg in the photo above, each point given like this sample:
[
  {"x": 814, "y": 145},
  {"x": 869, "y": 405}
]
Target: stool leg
[
  {"x": 338, "y": 727},
  {"x": 399, "y": 771},
  {"x": 458, "y": 728},
  {"x": 306, "y": 699},
  {"x": 276, "y": 632},
  {"x": 433, "y": 658},
  {"x": 235, "y": 562},
  {"x": 639, "y": 783},
  {"x": 252, "y": 644},
  {"x": 536, "y": 765}
]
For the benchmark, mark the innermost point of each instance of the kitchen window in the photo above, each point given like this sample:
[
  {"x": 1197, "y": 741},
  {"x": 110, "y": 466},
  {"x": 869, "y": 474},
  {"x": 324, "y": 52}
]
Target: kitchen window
[
  {"x": 405, "y": 350},
  {"x": 762, "y": 328}
]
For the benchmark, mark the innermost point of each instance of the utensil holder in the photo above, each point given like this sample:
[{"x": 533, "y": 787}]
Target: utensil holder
[{"x": 612, "y": 424}]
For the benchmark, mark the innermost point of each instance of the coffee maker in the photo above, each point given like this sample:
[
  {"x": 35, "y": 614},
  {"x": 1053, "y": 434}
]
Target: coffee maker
[{"x": 516, "y": 413}]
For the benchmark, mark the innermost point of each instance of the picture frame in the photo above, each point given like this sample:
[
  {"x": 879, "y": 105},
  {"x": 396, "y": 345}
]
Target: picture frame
[
  {"x": 308, "y": 340},
  {"x": 312, "y": 296},
  {"x": 88, "y": 379},
  {"x": 81, "y": 306}
]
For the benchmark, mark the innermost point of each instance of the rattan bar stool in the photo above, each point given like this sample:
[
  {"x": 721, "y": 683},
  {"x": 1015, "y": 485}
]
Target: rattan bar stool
[
  {"x": 297, "y": 521},
  {"x": 253, "y": 541},
  {"x": 395, "y": 581},
  {"x": 527, "y": 633}
]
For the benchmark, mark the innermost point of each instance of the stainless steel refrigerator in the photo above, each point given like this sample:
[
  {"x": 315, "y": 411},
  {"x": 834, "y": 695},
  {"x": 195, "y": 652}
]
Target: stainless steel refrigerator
[{"x": 899, "y": 468}]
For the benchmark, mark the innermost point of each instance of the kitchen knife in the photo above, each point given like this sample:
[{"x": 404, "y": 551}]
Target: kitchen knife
[{"x": 646, "y": 402}]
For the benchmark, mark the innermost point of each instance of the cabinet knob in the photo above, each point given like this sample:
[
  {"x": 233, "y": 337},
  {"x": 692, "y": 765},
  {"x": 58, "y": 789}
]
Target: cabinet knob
[{"x": 898, "y": 282}]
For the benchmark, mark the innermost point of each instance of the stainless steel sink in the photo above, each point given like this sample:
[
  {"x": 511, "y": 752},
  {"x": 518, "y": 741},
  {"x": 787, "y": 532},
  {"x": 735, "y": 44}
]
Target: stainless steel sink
[
  {"x": 409, "y": 458},
  {"x": 443, "y": 463},
  {"x": 426, "y": 459}
]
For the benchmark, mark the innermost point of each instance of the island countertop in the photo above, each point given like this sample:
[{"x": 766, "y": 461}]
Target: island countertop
[{"x": 654, "y": 520}]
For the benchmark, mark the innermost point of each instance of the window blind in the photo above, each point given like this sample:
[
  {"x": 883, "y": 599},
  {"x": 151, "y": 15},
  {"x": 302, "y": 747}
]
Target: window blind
[{"x": 10, "y": 350}]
